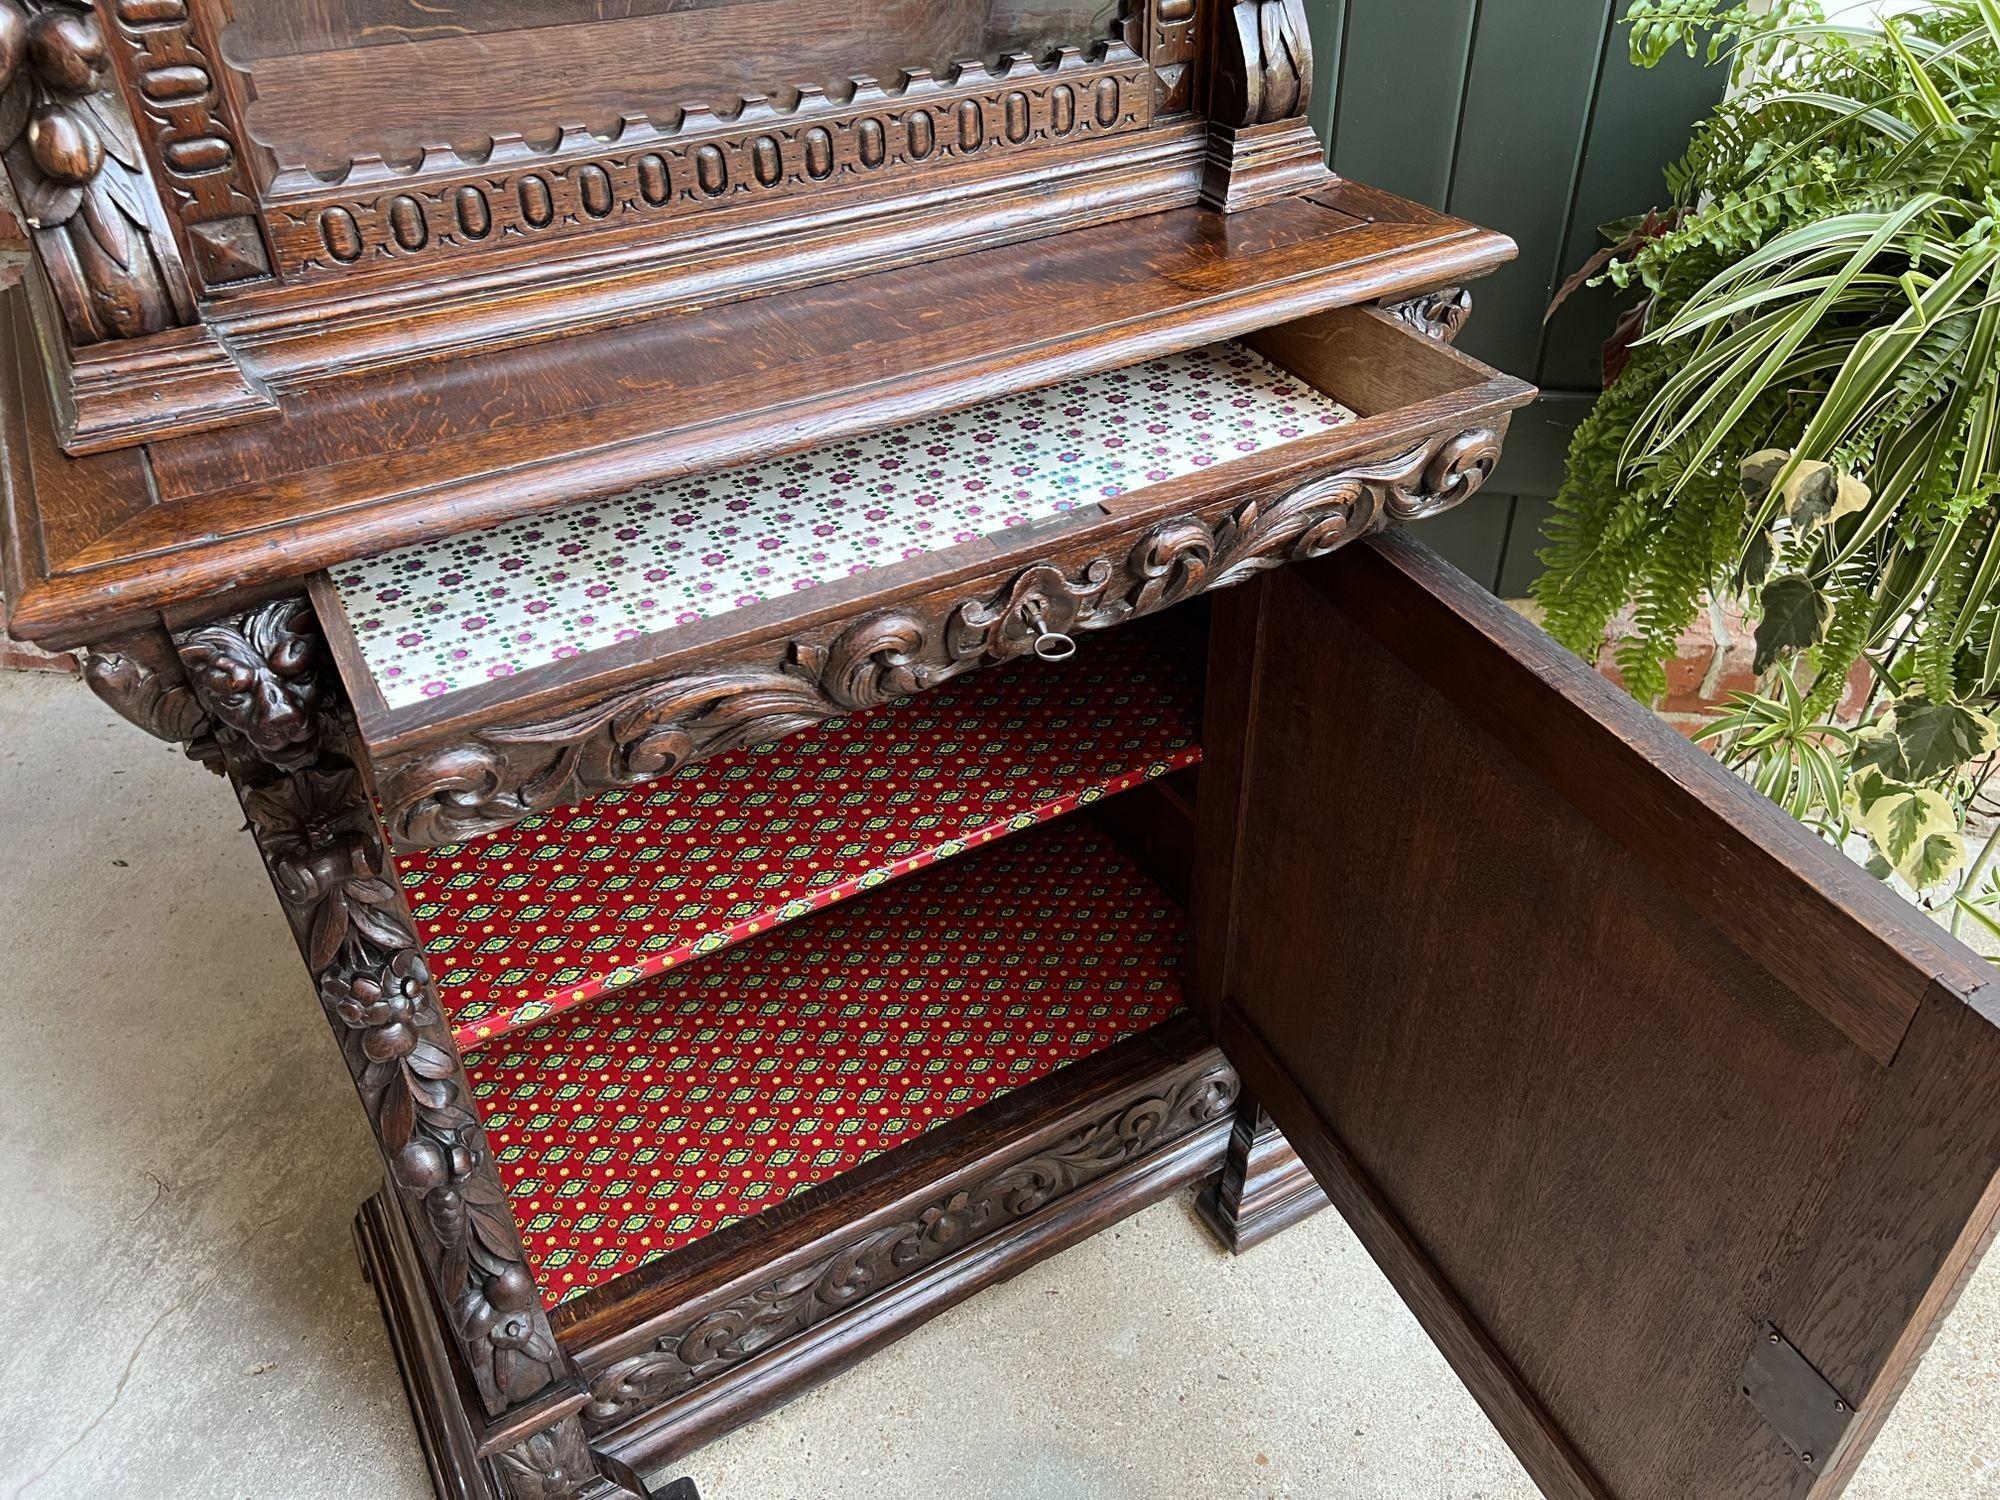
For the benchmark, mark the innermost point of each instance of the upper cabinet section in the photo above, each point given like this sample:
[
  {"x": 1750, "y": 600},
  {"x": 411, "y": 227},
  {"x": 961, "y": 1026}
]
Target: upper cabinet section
[
  {"x": 233, "y": 199},
  {"x": 346, "y": 80}
]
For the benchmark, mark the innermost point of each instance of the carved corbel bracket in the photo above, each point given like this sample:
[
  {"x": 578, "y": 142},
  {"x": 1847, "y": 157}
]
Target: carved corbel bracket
[
  {"x": 1260, "y": 145},
  {"x": 504, "y": 773},
  {"x": 141, "y": 678},
  {"x": 1439, "y": 315}
]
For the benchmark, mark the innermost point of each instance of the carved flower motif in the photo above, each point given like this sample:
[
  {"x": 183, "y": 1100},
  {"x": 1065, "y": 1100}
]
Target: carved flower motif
[{"x": 396, "y": 995}]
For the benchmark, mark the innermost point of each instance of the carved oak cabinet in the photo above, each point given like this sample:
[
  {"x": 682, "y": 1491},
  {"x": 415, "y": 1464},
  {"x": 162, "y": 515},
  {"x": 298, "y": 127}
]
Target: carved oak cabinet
[{"x": 792, "y": 596}]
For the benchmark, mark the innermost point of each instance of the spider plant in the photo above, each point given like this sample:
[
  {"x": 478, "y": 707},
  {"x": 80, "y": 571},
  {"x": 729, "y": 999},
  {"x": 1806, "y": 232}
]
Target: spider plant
[{"x": 1808, "y": 417}]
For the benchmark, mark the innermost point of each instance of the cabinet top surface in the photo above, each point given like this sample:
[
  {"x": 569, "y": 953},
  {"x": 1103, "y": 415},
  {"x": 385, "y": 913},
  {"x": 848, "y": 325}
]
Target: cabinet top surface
[{"x": 403, "y": 453}]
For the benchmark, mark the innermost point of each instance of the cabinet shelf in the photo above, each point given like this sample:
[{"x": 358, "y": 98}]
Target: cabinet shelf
[
  {"x": 564, "y": 908},
  {"x": 632, "y": 1130}
]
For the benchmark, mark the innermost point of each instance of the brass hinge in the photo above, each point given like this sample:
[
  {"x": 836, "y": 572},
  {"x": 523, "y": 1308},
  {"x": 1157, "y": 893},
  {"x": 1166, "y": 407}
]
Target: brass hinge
[{"x": 1801, "y": 1405}]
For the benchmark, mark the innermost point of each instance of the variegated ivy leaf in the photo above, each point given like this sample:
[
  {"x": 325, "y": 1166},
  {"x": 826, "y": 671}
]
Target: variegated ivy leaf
[
  {"x": 1921, "y": 741},
  {"x": 1795, "y": 616},
  {"x": 1815, "y": 493},
  {"x": 1914, "y": 828},
  {"x": 1938, "y": 738}
]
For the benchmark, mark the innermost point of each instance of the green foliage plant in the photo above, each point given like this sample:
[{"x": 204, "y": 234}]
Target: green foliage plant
[{"x": 1807, "y": 420}]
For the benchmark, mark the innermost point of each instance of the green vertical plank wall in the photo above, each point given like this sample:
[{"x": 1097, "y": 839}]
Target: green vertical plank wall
[{"x": 1527, "y": 116}]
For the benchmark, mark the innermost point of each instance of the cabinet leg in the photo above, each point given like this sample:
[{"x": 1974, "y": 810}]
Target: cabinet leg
[{"x": 1264, "y": 1187}]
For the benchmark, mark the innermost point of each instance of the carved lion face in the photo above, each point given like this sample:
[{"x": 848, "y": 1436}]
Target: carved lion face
[{"x": 262, "y": 681}]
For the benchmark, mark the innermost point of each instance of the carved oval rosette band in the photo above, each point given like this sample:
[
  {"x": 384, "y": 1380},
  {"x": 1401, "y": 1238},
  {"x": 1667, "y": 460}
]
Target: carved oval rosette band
[
  {"x": 506, "y": 773},
  {"x": 260, "y": 680}
]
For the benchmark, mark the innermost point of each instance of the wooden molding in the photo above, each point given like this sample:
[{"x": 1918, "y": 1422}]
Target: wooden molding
[
  {"x": 446, "y": 207},
  {"x": 1264, "y": 1186},
  {"x": 1252, "y": 164}
]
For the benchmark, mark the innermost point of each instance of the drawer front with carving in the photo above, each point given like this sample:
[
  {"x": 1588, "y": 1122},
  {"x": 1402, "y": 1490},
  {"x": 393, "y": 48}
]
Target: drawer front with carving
[{"x": 512, "y": 672}]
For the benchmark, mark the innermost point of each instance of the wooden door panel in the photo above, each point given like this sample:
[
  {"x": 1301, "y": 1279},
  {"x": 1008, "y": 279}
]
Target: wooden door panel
[{"x": 1610, "y": 1063}]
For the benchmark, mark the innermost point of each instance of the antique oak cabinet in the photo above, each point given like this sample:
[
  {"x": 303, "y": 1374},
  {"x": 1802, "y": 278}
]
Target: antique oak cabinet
[{"x": 795, "y": 598}]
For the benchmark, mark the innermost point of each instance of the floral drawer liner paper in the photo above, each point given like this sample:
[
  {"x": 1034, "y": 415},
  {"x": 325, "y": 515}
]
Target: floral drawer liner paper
[{"x": 437, "y": 619}]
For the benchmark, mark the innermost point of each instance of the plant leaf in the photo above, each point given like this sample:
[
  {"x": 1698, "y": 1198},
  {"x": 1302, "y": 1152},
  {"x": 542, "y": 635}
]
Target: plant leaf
[
  {"x": 1935, "y": 739},
  {"x": 1795, "y": 617}
]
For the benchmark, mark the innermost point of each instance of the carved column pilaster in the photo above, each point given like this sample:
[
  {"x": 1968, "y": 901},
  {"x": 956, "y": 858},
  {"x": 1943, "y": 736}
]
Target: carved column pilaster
[
  {"x": 1260, "y": 143},
  {"x": 75, "y": 163},
  {"x": 287, "y": 742}
]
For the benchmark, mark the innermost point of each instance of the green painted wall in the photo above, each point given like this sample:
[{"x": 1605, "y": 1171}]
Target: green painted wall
[{"x": 1524, "y": 115}]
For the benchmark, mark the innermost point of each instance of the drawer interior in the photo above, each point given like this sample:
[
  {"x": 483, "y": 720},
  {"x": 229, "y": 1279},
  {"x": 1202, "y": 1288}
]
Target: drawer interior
[
  {"x": 569, "y": 906},
  {"x": 429, "y": 622}
]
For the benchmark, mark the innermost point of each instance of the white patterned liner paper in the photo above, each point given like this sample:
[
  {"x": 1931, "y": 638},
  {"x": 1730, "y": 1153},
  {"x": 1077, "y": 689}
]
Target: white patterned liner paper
[{"x": 437, "y": 619}]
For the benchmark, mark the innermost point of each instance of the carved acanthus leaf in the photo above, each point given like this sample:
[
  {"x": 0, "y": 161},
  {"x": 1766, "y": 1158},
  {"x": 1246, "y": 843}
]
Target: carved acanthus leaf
[
  {"x": 1263, "y": 70},
  {"x": 141, "y": 678},
  {"x": 1439, "y": 315},
  {"x": 557, "y": 1464}
]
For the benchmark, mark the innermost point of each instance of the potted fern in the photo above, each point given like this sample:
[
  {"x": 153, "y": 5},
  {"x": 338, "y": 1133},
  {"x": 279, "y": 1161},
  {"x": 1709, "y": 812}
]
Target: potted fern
[{"x": 1805, "y": 416}]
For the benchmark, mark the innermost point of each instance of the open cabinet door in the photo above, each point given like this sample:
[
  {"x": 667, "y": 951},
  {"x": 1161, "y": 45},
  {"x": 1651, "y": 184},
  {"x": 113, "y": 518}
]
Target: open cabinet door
[{"x": 1677, "y": 1132}]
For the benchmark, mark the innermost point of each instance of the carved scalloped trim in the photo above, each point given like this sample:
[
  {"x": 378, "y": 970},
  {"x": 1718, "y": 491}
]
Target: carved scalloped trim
[
  {"x": 448, "y": 205},
  {"x": 451, "y": 207}
]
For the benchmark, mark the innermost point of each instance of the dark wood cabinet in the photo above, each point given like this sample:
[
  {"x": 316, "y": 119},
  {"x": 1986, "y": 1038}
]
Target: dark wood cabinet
[{"x": 798, "y": 608}]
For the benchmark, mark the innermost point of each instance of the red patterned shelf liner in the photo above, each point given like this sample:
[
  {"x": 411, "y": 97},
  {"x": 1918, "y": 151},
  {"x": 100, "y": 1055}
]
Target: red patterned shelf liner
[
  {"x": 562, "y": 909},
  {"x": 637, "y": 1126}
]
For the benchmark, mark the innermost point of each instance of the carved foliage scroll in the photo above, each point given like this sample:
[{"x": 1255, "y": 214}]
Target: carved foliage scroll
[
  {"x": 76, "y": 167},
  {"x": 507, "y": 773},
  {"x": 261, "y": 678},
  {"x": 790, "y": 1304},
  {"x": 1263, "y": 67},
  {"x": 1440, "y": 315}
]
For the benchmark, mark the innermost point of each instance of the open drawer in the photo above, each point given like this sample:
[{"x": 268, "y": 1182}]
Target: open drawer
[{"x": 511, "y": 671}]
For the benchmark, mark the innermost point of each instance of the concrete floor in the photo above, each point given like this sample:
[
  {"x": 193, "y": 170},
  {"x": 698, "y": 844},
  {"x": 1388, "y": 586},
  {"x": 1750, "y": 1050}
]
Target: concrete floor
[{"x": 184, "y": 1318}]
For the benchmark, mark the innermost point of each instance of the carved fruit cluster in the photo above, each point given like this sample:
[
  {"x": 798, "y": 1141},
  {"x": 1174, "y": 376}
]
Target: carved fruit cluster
[{"x": 52, "y": 65}]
